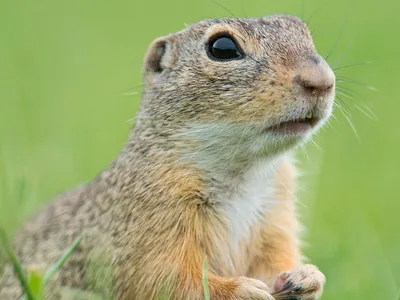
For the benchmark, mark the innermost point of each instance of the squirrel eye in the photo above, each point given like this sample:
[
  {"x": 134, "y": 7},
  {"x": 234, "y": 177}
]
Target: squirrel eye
[{"x": 224, "y": 48}]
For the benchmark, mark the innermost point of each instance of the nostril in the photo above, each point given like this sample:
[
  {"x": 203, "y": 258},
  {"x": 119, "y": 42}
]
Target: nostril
[
  {"x": 316, "y": 86},
  {"x": 316, "y": 78}
]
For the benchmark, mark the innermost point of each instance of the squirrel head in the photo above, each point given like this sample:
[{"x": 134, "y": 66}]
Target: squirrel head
[{"x": 259, "y": 82}]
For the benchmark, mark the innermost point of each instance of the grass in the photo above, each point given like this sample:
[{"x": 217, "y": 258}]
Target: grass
[
  {"x": 31, "y": 286},
  {"x": 205, "y": 280},
  {"x": 34, "y": 281},
  {"x": 65, "y": 68}
]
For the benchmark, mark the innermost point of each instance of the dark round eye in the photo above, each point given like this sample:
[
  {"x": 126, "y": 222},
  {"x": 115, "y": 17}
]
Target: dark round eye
[{"x": 224, "y": 48}]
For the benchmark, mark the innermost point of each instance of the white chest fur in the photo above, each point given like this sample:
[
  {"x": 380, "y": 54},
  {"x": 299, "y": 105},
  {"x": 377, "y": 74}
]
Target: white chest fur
[{"x": 249, "y": 200}]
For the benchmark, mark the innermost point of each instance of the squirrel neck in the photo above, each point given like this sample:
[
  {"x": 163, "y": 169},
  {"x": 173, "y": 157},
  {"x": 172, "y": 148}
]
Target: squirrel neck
[{"x": 218, "y": 154}]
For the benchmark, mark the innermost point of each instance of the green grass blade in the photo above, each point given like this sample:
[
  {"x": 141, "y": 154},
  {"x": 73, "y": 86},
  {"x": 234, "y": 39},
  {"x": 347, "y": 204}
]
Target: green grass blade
[
  {"x": 58, "y": 265},
  {"x": 35, "y": 281},
  {"x": 205, "y": 280},
  {"x": 17, "y": 266}
]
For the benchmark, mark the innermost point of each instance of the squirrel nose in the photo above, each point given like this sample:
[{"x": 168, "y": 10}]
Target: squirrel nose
[{"x": 316, "y": 77}]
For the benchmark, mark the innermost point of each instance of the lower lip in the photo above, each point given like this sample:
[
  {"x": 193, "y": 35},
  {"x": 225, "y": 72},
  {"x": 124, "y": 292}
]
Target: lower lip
[{"x": 295, "y": 127}]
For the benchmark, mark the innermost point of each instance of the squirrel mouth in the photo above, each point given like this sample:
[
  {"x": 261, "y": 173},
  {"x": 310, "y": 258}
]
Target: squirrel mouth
[{"x": 295, "y": 126}]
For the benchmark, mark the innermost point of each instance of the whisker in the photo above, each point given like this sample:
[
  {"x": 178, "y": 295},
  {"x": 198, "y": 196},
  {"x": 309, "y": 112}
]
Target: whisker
[
  {"x": 353, "y": 128},
  {"x": 131, "y": 120},
  {"x": 348, "y": 91},
  {"x": 243, "y": 11},
  {"x": 231, "y": 13},
  {"x": 304, "y": 150},
  {"x": 352, "y": 65},
  {"x": 333, "y": 117},
  {"x": 343, "y": 105},
  {"x": 329, "y": 124},
  {"x": 348, "y": 94},
  {"x": 313, "y": 33},
  {"x": 344, "y": 87},
  {"x": 241, "y": 24},
  {"x": 371, "y": 111},
  {"x": 348, "y": 119},
  {"x": 335, "y": 45},
  {"x": 310, "y": 18},
  {"x": 348, "y": 80},
  {"x": 130, "y": 94},
  {"x": 351, "y": 95},
  {"x": 132, "y": 88},
  {"x": 315, "y": 144},
  {"x": 344, "y": 95},
  {"x": 342, "y": 54},
  {"x": 371, "y": 116},
  {"x": 303, "y": 5}
]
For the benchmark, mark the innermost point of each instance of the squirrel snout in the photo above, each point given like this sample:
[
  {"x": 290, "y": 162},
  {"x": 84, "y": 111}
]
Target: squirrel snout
[{"x": 315, "y": 77}]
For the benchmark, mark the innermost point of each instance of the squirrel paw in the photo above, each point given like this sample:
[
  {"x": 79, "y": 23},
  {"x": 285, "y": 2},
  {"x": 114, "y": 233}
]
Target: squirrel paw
[
  {"x": 252, "y": 289},
  {"x": 304, "y": 283}
]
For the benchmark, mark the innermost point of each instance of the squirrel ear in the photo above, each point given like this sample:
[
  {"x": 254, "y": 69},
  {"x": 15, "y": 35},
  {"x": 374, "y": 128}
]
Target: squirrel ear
[{"x": 161, "y": 55}]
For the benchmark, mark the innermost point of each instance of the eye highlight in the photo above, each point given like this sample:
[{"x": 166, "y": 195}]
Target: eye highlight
[{"x": 224, "y": 48}]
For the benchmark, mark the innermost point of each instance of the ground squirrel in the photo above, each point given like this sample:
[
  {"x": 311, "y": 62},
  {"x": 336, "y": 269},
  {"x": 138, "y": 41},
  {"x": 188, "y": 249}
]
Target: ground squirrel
[{"x": 206, "y": 171}]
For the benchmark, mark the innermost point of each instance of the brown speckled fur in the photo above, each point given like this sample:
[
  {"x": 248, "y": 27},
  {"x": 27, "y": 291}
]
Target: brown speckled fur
[{"x": 153, "y": 214}]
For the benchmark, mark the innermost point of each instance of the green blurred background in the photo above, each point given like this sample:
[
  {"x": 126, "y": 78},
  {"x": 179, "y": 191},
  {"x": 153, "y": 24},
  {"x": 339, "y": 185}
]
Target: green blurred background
[{"x": 68, "y": 71}]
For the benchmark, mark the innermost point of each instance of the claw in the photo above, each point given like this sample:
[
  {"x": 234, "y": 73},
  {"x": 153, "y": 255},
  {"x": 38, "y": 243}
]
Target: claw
[
  {"x": 298, "y": 288},
  {"x": 288, "y": 284},
  {"x": 287, "y": 289}
]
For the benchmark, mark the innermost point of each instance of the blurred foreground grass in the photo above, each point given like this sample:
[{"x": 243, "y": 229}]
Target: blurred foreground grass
[
  {"x": 34, "y": 281},
  {"x": 68, "y": 71}
]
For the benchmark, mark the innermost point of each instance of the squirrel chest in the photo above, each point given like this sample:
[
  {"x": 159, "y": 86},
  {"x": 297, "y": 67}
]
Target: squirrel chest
[{"x": 246, "y": 207}]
